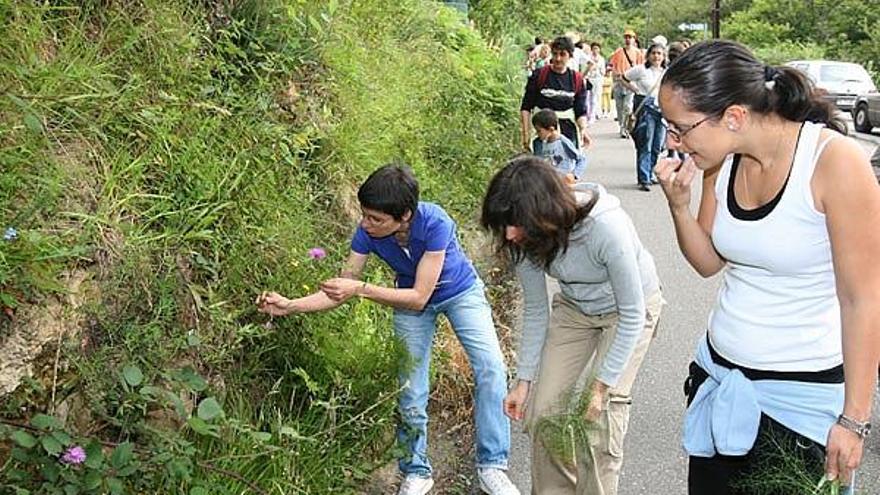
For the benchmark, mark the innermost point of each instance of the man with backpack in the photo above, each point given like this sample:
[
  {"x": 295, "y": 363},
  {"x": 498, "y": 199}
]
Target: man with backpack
[
  {"x": 558, "y": 88},
  {"x": 622, "y": 60}
]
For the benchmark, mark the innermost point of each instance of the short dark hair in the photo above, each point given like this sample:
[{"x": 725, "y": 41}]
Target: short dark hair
[
  {"x": 595, "y": 43},
  {"x": 579, "y": 44},
  {"x": 538, "y": 40},
  {"x": 545, "y": 119},
  {"x": 713, "y": 75},
  {"x": 675, "y": 49},
  {"x": 529, "y": 193},
  {"x": 391, "y": 189},
  {"x": 562, "y": 43}
]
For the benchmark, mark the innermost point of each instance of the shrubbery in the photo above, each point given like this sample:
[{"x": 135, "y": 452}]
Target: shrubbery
[{"x": 180, "y": 157}]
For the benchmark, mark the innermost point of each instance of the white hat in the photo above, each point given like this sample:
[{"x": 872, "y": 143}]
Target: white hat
[{"x": 659, "y": 40}]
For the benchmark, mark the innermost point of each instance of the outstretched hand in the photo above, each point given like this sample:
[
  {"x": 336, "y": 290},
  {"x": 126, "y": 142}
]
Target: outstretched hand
[{"x": 274, "y": 304}]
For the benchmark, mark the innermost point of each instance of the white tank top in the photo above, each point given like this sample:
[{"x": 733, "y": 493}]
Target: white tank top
[{"x": 777, "y": 308}]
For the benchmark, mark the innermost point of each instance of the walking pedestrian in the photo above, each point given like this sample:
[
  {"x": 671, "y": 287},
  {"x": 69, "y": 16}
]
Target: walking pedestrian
[
  {"x": 624, "y": 58},
  {"x": 789, "y": 212},
  {"x": 595, "y": 73},
  {"x": 557, "y": 87},
  {"x": 649, "y": 132}
]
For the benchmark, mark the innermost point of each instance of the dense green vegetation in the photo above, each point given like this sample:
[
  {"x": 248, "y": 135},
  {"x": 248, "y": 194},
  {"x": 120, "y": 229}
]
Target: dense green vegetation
[
  {"x": 162, "y": 162},
  {"x": 178, "y": 157},
  {"x": 778, "y": 30}
]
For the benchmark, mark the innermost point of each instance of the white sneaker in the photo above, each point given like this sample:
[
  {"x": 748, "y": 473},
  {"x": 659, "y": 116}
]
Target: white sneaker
[
  {"x": 495, "y": 482},
  {"x": 414, "y": 484}
]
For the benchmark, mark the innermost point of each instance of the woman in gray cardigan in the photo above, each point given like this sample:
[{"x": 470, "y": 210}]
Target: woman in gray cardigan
[{"x": 605, "y": 313}]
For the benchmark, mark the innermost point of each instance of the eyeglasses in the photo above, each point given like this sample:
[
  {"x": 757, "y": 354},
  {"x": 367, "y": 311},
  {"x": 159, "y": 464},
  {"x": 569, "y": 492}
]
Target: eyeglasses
[{"x": 679, "y": 134}]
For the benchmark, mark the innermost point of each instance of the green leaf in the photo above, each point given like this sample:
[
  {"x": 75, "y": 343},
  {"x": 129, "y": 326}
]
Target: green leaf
[
  {"x": 92, "y": 480},
  {"x": 191, "y": 379},
  {"x": 261, "y": 436},
  {"x": 20, "y": 455},
  {"x": 51, "y": 446},
  {"x": 71, "y": 490},
  {"x": 199, "y": 426},
  {"x": 45, "y": 422},
  {"x": 50, "y": 472},
  {"x": 198, "y": 490},
  {"x": 33, "y": 123},
  {"x": 151, "y": 392},
  {"x": 128, "y": 470},
  {"x": 132, "y": 375},
  {"x": 24, "y": 439},
  {"x": 94, "y": 455},
  {"x": 209, "y": 409},
  {"x": 62, "y": 437},
  {"x": 122, "y": 455},
  {"x": 193, "y": 340},
  {"x": 115, "y": 486}
]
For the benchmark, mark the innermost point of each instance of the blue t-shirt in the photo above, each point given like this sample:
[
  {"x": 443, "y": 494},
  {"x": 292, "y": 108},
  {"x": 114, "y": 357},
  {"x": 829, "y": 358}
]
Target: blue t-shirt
[{"x": 431, "y": 230}]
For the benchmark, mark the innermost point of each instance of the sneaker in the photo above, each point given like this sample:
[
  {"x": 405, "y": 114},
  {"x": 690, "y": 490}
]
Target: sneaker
[
  {"x": 644, "y": 187},
  {"x": 495, "y": 482},
  {"x": 414, "y": 484}
]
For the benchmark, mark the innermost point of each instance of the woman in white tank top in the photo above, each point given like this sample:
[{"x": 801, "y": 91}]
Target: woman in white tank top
[{"x": 790, "y": 214}]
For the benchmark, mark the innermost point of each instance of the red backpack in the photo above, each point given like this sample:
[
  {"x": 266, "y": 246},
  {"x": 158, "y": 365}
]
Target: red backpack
[{"x": 545, "y": 73}]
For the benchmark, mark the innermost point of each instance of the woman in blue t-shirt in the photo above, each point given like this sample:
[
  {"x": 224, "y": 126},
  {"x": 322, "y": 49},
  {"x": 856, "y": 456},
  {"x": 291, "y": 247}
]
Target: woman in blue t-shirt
[{"x": 433, "y": 276}]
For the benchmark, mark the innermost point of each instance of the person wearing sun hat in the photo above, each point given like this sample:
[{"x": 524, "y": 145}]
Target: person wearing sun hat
[{"x": 624, "y": 58}]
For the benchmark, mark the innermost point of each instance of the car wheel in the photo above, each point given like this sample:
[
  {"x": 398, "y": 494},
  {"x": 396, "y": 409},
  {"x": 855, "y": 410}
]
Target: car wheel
[{"x": 860, "y": 119}]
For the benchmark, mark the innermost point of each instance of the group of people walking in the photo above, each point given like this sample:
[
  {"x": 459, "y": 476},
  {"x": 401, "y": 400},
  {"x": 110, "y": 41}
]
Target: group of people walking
[{"x": 788, "y": 214}]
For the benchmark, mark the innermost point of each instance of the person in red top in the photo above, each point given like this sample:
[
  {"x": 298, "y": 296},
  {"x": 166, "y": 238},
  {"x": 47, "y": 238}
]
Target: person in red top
[{"x": 623, "y": 59}]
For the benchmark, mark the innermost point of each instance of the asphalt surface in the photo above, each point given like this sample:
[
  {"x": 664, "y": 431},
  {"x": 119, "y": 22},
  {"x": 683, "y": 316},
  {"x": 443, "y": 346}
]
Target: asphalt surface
[{"x": 655, "y": 462}]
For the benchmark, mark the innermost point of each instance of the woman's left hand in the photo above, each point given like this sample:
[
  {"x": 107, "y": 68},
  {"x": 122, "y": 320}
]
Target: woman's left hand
[
  {"x": 341, "y": 289},
  {"x": 843, "y": 454},
  {"x": 598, "y": 391}
]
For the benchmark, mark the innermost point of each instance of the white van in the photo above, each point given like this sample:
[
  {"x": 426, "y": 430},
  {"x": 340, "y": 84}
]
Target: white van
[{"x": 839, "y": 82}]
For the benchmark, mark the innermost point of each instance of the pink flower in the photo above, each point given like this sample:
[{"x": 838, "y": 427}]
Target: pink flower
[
  {"x": 317, "y": 253},
  {"x": 74, "y": 455}
]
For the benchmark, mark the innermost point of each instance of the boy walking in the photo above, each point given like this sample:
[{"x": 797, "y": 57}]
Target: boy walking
[
  {"x": 433, "y": 276},
  {"x": 554, "y": 147}
]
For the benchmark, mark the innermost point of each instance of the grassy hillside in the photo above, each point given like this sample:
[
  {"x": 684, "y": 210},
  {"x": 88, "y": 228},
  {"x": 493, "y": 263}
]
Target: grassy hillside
[{"x": 163, "y": 162}]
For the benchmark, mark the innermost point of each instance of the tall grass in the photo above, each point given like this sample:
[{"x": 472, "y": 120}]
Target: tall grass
[{"x": 186, "y": 155}]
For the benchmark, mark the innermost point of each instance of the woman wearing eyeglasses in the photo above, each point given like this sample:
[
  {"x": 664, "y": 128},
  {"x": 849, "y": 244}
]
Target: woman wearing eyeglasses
[{"x": 790, "y": 214}]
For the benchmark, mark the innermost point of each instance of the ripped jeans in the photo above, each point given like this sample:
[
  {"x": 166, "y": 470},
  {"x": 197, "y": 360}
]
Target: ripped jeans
[{"x": 470, "y": 316}]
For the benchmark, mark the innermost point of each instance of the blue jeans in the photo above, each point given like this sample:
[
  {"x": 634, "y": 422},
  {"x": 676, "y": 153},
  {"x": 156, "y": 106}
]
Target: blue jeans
[
  {"x": 470, "y": 316},
  {"x": 648, "y": 136}
]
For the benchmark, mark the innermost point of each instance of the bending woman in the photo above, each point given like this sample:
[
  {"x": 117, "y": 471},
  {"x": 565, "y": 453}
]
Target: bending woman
[
  {"x": 606, "y": 312},
  {"x": 789, "y": 211}
]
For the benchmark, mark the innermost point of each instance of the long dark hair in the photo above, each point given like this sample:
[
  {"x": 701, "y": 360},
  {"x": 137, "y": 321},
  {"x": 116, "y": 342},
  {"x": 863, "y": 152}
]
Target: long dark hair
[
  {"x": 654, "y": 46},
  {"x": 714, "y": 75},
  {"x": 529, "y": 193}
]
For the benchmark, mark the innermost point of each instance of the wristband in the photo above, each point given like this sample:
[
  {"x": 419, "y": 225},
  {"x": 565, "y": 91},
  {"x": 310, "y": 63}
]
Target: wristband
[{"x": 860, "y": 428}]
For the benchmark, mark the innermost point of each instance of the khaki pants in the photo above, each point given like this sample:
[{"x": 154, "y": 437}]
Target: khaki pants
[{"x": 573, "y": 338}]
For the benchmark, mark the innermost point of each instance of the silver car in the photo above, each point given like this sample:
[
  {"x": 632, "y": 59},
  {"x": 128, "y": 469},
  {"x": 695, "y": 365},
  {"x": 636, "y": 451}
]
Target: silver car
[{"x": 839, "y": 82}]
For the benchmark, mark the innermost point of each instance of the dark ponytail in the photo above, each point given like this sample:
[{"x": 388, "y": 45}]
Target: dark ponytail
[{"x": 714, "y": 75}]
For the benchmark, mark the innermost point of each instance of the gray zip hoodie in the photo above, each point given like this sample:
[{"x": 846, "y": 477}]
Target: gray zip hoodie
[{"x": 605, "y": 270}]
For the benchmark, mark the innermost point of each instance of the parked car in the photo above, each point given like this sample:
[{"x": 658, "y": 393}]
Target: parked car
[
  {"x": 839, "y": 82},
  {"x": 866, "y": 112}
]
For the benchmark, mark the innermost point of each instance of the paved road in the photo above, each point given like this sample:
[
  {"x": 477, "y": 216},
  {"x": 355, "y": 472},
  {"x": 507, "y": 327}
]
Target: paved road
[{"x": 655, "y": 463}]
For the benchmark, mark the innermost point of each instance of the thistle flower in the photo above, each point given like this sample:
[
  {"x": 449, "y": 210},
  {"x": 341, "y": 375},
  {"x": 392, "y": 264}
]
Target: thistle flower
[
  {"x": 10, "y": 234},
  {"x": 317, "y": 253},
  {"x": 74, "y": 455}
]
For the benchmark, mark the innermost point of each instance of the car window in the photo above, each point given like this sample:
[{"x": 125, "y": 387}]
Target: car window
[{"x": 831, "y": 73}]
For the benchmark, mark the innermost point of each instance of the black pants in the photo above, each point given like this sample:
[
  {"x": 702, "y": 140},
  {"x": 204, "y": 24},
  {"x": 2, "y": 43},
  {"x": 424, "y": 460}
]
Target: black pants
[{"x": 744, "y": 475}]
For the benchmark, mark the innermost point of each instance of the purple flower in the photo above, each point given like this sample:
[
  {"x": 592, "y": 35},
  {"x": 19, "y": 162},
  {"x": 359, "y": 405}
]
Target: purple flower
[
  {"x": 74, "y": 455},
  {"x": 317, "y": 253},
  {"x": 10, "y": 234}
]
